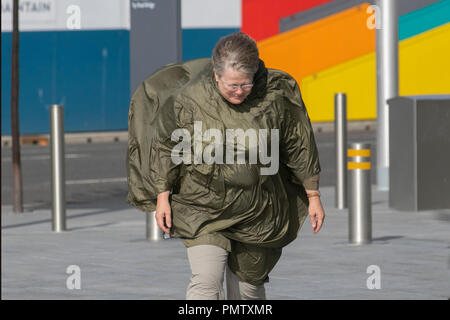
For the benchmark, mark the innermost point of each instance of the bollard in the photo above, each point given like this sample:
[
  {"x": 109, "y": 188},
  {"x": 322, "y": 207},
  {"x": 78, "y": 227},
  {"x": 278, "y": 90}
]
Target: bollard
[
  {"x": 153, "y": 232},
  {"x": 360, "y": 202},
  {"x": 387, "y": 76},
  {"x": 340, "y": 129},
  {"x": 58, "y": 171}
]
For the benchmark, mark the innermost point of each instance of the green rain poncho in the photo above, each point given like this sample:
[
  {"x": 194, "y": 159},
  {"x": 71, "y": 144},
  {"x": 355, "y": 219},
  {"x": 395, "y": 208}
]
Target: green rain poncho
[{"x": 222, "y": 202}]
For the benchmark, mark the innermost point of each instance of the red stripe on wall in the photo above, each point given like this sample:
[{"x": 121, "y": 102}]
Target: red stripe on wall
[{"x": 261, "y": 18}]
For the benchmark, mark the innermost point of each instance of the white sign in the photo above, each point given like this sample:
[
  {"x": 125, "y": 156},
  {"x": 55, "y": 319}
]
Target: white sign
[
  {"x": 30, "y": 10},
  {"x": 67, "y": 15}
]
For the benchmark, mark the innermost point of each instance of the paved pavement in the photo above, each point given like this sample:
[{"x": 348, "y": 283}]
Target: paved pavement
[{"x": 408, "y": 258}]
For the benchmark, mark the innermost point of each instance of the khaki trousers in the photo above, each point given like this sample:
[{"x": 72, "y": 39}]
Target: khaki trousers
[{"x": 208, "y": 265}]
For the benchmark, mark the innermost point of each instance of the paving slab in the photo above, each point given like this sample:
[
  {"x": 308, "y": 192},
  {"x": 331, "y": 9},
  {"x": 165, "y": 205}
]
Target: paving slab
[{"x": 407, "y": 259}]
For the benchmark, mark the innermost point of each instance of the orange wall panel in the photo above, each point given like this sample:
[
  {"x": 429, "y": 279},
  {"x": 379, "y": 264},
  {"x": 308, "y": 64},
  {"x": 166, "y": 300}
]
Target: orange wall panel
[{"x": 321, "y": 44}]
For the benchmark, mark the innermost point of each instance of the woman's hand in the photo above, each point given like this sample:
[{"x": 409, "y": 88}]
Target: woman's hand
[
  {"x": 163, "y": 212},
  {"x": 315, "y": 212}
]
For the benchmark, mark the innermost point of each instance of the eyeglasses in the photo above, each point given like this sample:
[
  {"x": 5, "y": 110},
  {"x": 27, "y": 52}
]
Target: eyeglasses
[{"x": 234, "y": 87}]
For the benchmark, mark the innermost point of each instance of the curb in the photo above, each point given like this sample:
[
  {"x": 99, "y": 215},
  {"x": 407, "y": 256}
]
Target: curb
[
  {"x": 70, "y": 138},
  {"x": 122, "y": 136}
]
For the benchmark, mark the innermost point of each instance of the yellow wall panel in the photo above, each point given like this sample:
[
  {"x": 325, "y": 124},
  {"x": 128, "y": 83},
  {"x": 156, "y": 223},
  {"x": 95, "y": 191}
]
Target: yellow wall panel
[
  {"x": 356, "y": 78},
  {"x": 424, "y": 68},
  {"x": 424, "y": 63}
]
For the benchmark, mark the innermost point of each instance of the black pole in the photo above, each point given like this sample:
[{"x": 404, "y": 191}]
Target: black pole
[{"x": 17, "y": 174}]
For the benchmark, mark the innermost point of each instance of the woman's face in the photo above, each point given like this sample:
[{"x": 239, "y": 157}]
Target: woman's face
[{"x": 234, "y": 85}]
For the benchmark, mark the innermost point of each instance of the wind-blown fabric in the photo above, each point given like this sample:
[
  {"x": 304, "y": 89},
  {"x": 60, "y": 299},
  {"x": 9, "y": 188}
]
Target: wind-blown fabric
[{"x": 232, "y": 205}]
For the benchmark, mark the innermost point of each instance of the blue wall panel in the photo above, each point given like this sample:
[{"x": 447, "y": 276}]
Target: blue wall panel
[
  {"x": 86, "y": 71},
  {"x": 199, "y": 43}
]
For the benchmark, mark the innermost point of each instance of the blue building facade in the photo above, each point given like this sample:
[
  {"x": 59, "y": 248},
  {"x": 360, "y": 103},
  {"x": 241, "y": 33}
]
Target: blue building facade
[{"x": 86, "y": 67}]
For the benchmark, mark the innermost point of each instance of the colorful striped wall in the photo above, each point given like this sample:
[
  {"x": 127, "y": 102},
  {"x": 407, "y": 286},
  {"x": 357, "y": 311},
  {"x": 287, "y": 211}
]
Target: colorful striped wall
[
  {"x": 424, "y": 19},
  {"x": 336, "y": 54},
  {"x": 423, "y": 66},
  {"x": 320, "y": 44}
]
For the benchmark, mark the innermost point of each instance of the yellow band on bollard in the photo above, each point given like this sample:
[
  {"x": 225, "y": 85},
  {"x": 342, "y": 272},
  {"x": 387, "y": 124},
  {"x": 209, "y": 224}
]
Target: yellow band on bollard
[
  {"x": 356, "y": 153},
  {"x": 358, "y": 165}
]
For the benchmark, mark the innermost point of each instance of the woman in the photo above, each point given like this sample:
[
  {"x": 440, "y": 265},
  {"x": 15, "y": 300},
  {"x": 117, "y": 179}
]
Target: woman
[{"x": 203, "y": 155}]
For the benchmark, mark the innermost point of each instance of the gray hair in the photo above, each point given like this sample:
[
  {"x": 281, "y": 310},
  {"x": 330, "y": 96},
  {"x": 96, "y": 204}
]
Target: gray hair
[{"x": 237, "y": 51}]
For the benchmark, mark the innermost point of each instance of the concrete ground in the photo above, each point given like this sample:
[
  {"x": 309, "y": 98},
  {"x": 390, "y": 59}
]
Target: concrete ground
[{"x": 107, "y": 247}]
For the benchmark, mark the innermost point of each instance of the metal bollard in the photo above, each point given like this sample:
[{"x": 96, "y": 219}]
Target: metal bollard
[
  {"x": 153, "y": 232},
  {"x": 360, "y": 200},
  {"x": 387, "y": 75},
  {"x": 340, "y": 128},
  {"x": 58, "y": 171}
]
